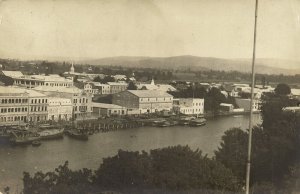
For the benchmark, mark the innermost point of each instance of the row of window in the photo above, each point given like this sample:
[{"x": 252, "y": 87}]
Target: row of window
[
  {"x": 38, "y": 101},
  {"x": 156, "y": 99},
  {"x": 5, "y": 110},
  {"x": 13, "y": 101},
  {"x": 83, "y": 100},
  {"x": 15, "y": 118},
  {"x": 38, "y": 108},
  {"x": 41, "y": 83}
]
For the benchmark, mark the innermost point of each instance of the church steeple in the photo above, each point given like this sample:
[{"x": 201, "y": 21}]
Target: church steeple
[
  {"x": 152, "y": 82},
  {"x": 72, "y": 69}
]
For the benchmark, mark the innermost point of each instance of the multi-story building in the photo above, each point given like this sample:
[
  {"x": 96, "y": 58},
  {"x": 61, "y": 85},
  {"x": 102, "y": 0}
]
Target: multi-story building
[
  {"x": 59, "y": 109},
  {"x": 19, "y": 105},
  {"x": 143, "y": 101},
  {"x": 189, "y": 106},
  {"x": 81, "y": 100},
  {"x": 96, "y": 88},
  {"x": 30, "y": 81},
  {"x": 116, "y": 87},
  {"x": 102, "y": 109}
]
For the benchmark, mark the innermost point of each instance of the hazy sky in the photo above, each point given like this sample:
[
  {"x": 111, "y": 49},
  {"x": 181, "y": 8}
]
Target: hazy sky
[{"x": 103, "y": 28}]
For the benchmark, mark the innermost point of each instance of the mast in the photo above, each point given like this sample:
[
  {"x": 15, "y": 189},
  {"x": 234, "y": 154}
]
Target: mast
[{"x": 251, "y": 104}]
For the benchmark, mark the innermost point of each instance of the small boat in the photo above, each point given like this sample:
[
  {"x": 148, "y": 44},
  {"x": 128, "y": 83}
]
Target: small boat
[
  {"x": 23, "y": 140},
  {"x": 197, "y": 122},
  {"x": 78, "y": 135},
  {"x": 52, "y": 134},
  {"x": 164, "y": 124},
  {"x": 36, "y": 143},
  {"x": 185, "y": 120}
]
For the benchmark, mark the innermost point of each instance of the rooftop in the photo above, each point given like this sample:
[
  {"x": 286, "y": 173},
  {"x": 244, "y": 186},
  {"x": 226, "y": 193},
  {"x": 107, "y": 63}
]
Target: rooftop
[
  {"x": 72, "y": 90},
  {"x": 108, "y": 106},
  {"x": 13, "y": 74},
  {"x": 16, "y": 90},
  {"x": 149, "y": 93}
]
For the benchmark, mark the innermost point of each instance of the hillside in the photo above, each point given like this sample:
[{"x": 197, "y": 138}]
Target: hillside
[{"x": 267, "y": 66}]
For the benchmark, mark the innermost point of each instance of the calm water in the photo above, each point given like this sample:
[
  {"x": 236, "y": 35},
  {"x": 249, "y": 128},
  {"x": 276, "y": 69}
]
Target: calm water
[{"x": 15, "y": 160}]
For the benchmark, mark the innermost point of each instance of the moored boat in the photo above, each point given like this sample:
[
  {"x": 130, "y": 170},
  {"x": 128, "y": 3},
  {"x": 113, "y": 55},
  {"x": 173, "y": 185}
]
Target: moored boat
[
  {"x": 185, "y": 120},
  {"x": 23, "y": 140},
  {"x": 52, "y": 134},
  {"x": 197, "y": 122},
  {"x": 78, "y": 135},
  {"x": 36, "y": 143},
  {"x": 164, "y": 124}
]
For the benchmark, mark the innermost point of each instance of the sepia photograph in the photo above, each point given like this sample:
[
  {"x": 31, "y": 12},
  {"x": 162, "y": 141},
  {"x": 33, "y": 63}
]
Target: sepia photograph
[{"x": 150, "y": 97}]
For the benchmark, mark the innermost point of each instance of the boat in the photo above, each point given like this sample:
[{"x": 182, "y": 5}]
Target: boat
[
  {"x": 51, "y": 134},
  {"x": 164, "y": 124},
  {"x": 185, "y": 120},
  {"x": 78, "y": 135},
  {"x": 36, "y": 143},
  {"x": 197, "y": 122},
  {"x": 24, "y": 140}
]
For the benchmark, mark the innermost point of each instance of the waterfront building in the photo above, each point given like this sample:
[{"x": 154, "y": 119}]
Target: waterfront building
[
  {"x": 30, "y": 81},
  {"x": 226, "y": 107},
  {"x": 116, "y": 87},
  {"x": 189, "y": 106},
  {"x": 143, "y": 101},
  {"x": 245, "y": 104},
  {"x": 59, "y": 109},
  {"x": 81, "y": 100},
  {"x": 19, "y": 105},
  {"x": 103, "y": 109}
]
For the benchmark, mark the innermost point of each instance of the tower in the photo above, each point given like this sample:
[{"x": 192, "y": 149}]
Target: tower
[
  {"x": 152, "y": 82},
  {"x": 72, "y": 70}
]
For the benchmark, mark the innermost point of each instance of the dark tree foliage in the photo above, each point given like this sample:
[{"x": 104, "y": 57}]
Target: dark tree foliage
[
  {"x": 131, "y": 86},
  {"x": 282, "y": 89},
  {"x": 169, "y": 170},
  {"x": 275, "y": 146}
]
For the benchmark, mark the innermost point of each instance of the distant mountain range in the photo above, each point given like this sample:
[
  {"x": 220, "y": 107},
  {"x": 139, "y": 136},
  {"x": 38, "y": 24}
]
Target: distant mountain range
[{"x": 266, "y": 66}]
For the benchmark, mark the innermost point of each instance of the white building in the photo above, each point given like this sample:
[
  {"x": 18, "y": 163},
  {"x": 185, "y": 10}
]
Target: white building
[
  {"x": 81, "y": 100},
  {"x": 30, "y": 81},
  {"x": 59, "y": 109},
  {"x": 19, "y": 105},
  {"x": 189, "y": 106}
]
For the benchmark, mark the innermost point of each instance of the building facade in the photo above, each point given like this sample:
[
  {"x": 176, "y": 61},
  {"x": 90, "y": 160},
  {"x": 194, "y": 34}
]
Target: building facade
[
  {"x": 116, "y": 87},
  {"x": 102, "y": 109},
  {"x": 31, "y": 81},
  {"x": 19, "y": 105},
  {"x": 189, "y": 106},
  {"x": 81, "y": 100},
  {"x": 143, "y": 101},
  {"x": 59, "y": 109}
]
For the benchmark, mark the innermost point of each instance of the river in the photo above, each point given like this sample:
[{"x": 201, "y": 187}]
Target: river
[{"x": 15, "y": 160}]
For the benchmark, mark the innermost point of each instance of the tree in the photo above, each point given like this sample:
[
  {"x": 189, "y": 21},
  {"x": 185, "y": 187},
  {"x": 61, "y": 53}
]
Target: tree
[
  {"x": 131, "y": 86},
  {"x": 282, "y": 89}
]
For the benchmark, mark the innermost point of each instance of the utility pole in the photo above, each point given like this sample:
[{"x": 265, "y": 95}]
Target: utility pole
[{"x": 251, "y": 105}]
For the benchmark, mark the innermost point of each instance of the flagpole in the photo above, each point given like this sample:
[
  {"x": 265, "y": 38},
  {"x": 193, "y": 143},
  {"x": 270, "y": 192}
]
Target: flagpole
[{"x": 251, "y": 104}]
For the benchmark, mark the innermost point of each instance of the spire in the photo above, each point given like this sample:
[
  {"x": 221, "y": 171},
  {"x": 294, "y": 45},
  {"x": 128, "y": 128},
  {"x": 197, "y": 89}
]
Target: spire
[
  {"x": 152, "y": 81},
  {"x": 72, "y": 69}
]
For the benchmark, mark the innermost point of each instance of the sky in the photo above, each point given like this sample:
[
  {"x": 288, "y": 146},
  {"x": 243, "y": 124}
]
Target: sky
[{"x": 46, "y": 29}]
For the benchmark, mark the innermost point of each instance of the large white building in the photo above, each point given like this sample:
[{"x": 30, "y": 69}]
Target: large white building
[
  {"x": 116, "y": 87},
  {"x": 189, "y": 106},
  {"x": 19, "y": 105},
  {"x": 143, "y": 101},
  {"x": 59, "y": 109},
  {"x": 81, "y": 100},
  {"x": 30, "y": 81}
]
